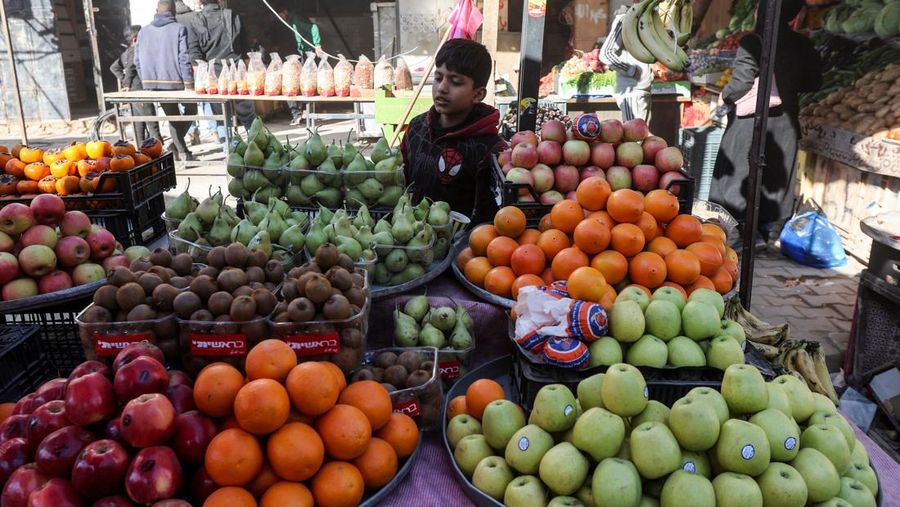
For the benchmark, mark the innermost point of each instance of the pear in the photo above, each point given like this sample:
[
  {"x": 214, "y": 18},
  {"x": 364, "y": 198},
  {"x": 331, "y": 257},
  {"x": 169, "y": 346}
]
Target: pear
[
  {"x": 328, "y": 174},
  {"x": 254, "y": 180},
  {"x": 417, "y": 307},
  {"x": 299, "y": 163},
  {"x": 383, "y": 242},
  {"x": 350, "y": 152},
  {"x": 402, "y": 229},
  {"x": 310, "y": 184},
  {"x": 182, "y": 205},
  {"x": 189, "y": 228},
  {"x": 220, "y": 232},
  {"x": 262, "y": 242},
  {"x": 273, "y": 224},
  {"x": 363, "y": 217},
  {"x": 276, "y": 146},
  {"x": 365, "y": 237},
  {"x": 237, "y": 145},
  {"x": 386, "y": 171},
  {"x": 254, "y": 156},
  {"x": 390, "y": 196},
  {"x": 316, "y": 152},
  {"x": 396, "y": 261},
  {"x": 431, "y": 336},
  {"x": 463, "y": 316},
  {"x": 330, "y": 197},
  {"x": 460, "y": 338},
  {"x": 382, "y": 226},
  {"x": 243, "y": 232},
  {"x": 443, "y": 318},
  {"x": 208, "y": 210},
  {"x": 296, "y": 197},
  {"x": 421, "y": 210},
  {"x": 315, "y": 238},
  {"x": 236, "y": 188},
  {"x": 235, "y": 167},
  {"x": 349, "y": 246},
  {"x": 335, "y": 153},
  {"x": 406, "y": 329},
  {"x": 292, "y": 238},
  {"x": 343, "y": 226},
  {"x": 381, "y": 150},
  {"x": 356, "y": 171},
  {"x": 355, "y": 199},
  {"x": 437, "y": 217}
]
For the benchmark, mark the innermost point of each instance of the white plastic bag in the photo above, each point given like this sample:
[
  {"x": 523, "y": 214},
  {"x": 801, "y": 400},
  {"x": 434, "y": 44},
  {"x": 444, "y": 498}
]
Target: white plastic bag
[
  {"x": 325, "y": 79},
  {"x": 308, "y": 85},
  {"x": 224, "y": 79},
  {"x": 241, "y": 79},
  {"x": 200, "y": 84},
  {"x": 232, "y": 78},
  {"x": 273, "y": 75},
  {"x": 256, "y": 75},
  {"x": 212, "y": 80},
  {"x": 364, "y": 74},
  {"x": 384, "y": 73},
  {"x": 290, "y": 76},
  {"x": 402, "y": 76},
  {"x": 343, "y": 76}
]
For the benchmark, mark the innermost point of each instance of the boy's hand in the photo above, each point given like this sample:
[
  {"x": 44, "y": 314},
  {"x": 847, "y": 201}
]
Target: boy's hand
[{"x": 123, "y": 89}]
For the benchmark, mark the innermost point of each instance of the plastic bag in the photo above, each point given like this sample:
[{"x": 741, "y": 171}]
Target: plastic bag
[
  {"x": 212, "y": 80},
  {"x": 256, "y": 75},
  {"x": 241, "y": 78},
  {"x": 308, "y": 85},
  {"x": 402, "y": 76},
  {"x": 290, "y": 76},
  {"x": 233, "y": 78},
  {"x": 224, "y": 78},
  {"x": 325, "y": 79},
  {"x": 273, "y": 75},
  {"x": 200, "y": 84},
  {"x": 384, "y": 73},
  {"x": 364, "y": 74},
  {"x": 343, "y": 76},
  {"x": 811, "y": 240}
]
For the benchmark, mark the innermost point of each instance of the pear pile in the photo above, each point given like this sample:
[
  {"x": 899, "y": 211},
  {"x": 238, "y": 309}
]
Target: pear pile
[
  {"x": 352, "y": 235},
  {"x": 749, "y": 445},
  {"x": 443, "y": 327}
]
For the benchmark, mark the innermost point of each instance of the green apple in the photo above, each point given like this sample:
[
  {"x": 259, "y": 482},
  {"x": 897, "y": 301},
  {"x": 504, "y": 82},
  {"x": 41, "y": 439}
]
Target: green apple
[
  {"x": 565, "y": 501},
  {"x": 501, "y": 418},
  {"x": 461, "y": 426},
  {"x": 653, "y": 412},
  {"x": 634, "y": 294},
  {"x": 829, "y": 441},
  {"x": 685, "y": 352},
  {"x": 682, "y": 485},
  {"x": 525, "y": 491},
  {"x": 724, "y": 352},
  {"x": 648, "y": 351},
  {"x": 802, "y": 402},
  {"x": 605, "y": 351},
  {"x": 585, "y": 494},
  {"x": 694, "y": 424},
  {"x": 822, "y": 480},
  {"x": 699, "y": 320},
  {"x": 782, "y": 432},
  {"x": 742, "y": 448},
  {"x": 554, "y": 408},
  {"x": 737, "y": 490},
  {"x": 836, "y": 420},
  {"x": 616, "y": 483},
  {"x": 709, "y": 297},
  {"x": 856, "y": 493},
  {"x": 714, "y": 397},
  {"x": 734, "y": 330},
  {"x": 588, "y": 392},
  {"x": 654, "y": 450},
  {"x": 625, "y": 450},
  {"x": 859, "y": 452},
  {"x": 492, "y": 476},
  {"x": 782, "y": 485},
  {"x": 824, "y": 403},
  {"x": 470, "y": 451},
  {"x": 778, "y": 399},
  {"x": 526, "y": 448},
  {"x": 648, "y": 501},
  {"x": 563, "y": 469},
  {"x": 861, "y": 471},
  {"x": 663, "y": 319},
  {"x": 599, "y": 433},
  {"x": 834, "y": 502},
  {"x": 670, "y": 294},
  {"x": 626, "y": 321},
  {"x": 624, "y": 390},
  {"x": 744, "y": 389},
  {"x": 696, "y": 463}
]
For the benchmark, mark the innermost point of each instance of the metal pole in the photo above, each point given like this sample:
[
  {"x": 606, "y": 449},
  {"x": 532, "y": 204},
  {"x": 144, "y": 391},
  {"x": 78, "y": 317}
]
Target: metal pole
[
  {"x": 15, "y": 74},
  {"x": 95, "y": 51},
  {"x": 533, "y": 17},
  {"x": 757, "y": 155}
]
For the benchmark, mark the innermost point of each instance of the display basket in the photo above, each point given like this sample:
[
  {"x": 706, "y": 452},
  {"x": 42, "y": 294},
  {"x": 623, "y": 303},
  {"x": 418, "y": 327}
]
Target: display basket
[
  {"x": 24, "y": 365},
  {"x": 205, "y": 342},
  {"x": 423, "y": 403},
  {"x": 140, "y": 225},
  {"x": 102, "y": 341},
  {"x": 424, "y": 255}
]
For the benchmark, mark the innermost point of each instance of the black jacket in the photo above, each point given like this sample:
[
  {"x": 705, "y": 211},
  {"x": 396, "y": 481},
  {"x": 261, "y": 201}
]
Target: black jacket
[
  {"x": 125, "y": 71},
  {"x": 454, "y": 166},
  {"x": 214, "y": 33}
]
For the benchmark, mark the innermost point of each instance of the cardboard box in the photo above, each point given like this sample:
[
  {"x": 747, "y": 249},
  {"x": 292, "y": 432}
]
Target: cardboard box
[{"x": 590, "y": 22}]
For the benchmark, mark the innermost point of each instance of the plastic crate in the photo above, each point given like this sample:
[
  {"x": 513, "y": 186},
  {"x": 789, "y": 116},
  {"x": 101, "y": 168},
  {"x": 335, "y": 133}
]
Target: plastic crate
[
  {"x": 700, "y": 146},
  {"x": 58, "y": 331},
  {"x": 141, "y": 225},
  {"x": 875, "y": 338},
  {"x": 23, "y": 364}
]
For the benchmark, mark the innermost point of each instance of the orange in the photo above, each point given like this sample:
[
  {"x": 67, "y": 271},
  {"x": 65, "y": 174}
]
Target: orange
[
  {"x": 480, "y": 393},
  {"x": 295, "y": 451},
  {"x": 683, "y": 267},
  {"x": 648, "y": 226},
  {"x": 525, "y": 281},
  {"x": 509, "y": 221},
  {"x": 568, "y": 261},
  {"x": 287, "y": 494},
  {"x": 263, "y": 480},
  {"x": 545, "y": 223},
  {"x": 480, "y": 237},
  {"x": 591, "y": 235},
  {"x": 338, "y": 484},
  {"x": 675, "y": 286},
  {"x": 627, "y": 239},
  {"x": 262, "y": 406},
  {"x": 684, "y": 230},
  {"x": 313, "y": 388},
  {"x": 587, "y": 284},
  {"x": 593, "y": 193},
  {"x": 547, "y": 276},
  {"x": 731, "y": 255},
  {"x": 728, "y": 264},
  {"x": 345, "y": 431},
  {"x": 402, "y": 433},
  {"x": 612, "y": 264},
  {"x": 233, "y": 458},
  {"x": 722, "y": 280},
  {"x": 710, "y": 257},
  {"x": 464, "y": 256},
  {"x": 529, "y": 237},
  {"x": 552, "y": 241},
  {"x": 499, "y": 281},
  {"x": 529, "y": 259},
  {"x": 625, "y": 205},
  {"x": 378, "y": 465},
  {"x": 662, "y": 246},
  {"x": 230, "y": 497},
  {"x": 456, "y": 406},
  {"x": 338, "y": 374},
  {"x": 476, "y": 269},
  {"x": 500, "y": 249},
  {"x": 604, "y": 218},
  {"x": 371, "y": 398},
  {"x": 662, "y": 204},
  {"x": 270, "y": 359},
  {"x": 715, "y": 231},
  {"x": 609, "y": 297},
  {"x": 701, "y": 283},
  {"x": 216, "y": 387},
  {"x": 566, "y": 215},
  {"x": 647, "y": 269}
]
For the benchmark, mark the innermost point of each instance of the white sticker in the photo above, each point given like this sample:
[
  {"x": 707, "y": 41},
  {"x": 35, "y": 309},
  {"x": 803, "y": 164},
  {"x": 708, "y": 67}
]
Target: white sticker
[
  {"x": 748, "y": 451},
  {"x": 790, "y": 443},
  {"x": 646, "y": 392},
  {"x": 568, "y": 410},
  {"x": 690, "y": 467},
  {"x": 524, "y": 444}
]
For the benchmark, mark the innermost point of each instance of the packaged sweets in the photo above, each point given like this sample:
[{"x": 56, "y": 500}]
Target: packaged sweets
[
  {"x": 200, "y": 72},
  {"x": 325, "y": 79},
  {"x": 241, "y": 78},
  {"x": 384, "y": 73},
  {"x": 308, "y": 86},
  {"x": 233, "y": 78},
  {"x": 343, "y": 76},
  {"x": 224, "y": 78},
  {"x": 364, "y": 74},
  {"x": 256, "y": 75},
  {"x": 402, "y": 76},
  {"x": 290, "y": 76},
  {"x": 212, "y": 80},
  {"x": 273, "y": 75}
]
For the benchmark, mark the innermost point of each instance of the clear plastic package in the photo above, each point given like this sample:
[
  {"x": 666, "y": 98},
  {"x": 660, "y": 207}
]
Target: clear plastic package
[
  {"x": 308, "y": 85},
  {"x": 343, "y": 77},
  {"x": 212, "y": 79},
  {"x": 364, "y": 74},
  {"x": 224, "y": 78},
  {"x": 402, "y": 76},
  {"x": 233, "y": 81},
  {"x": 290, "y": 76},
  {"x": 384, "y": 73},
  {"x": 200, "y": 84},
  {"x": 273, "y": 75},
  {"x": 325, "y": 79},
  {"x": 256, "y": 75}
]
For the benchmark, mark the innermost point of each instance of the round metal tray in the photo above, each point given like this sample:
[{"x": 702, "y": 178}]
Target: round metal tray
[
  {"x": 375, "y": 498},
  {"x": 458, "y": 245}
]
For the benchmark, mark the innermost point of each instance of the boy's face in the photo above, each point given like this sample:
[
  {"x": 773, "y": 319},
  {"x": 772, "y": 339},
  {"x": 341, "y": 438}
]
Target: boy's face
[{"x": 454, "y": 93}]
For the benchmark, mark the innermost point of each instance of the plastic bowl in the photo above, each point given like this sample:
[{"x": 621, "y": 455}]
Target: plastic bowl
[
  {"x": 102, "y": 341},
  {"x": 205, "y": 342},
  {"x": 423, "y": 403}
]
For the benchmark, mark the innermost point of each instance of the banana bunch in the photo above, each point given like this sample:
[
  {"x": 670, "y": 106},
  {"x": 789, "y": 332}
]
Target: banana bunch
[
  {"x": 654, "y": 30},
  {"x": 807, "y": 361},
  {"x": 766, "y": 336}
]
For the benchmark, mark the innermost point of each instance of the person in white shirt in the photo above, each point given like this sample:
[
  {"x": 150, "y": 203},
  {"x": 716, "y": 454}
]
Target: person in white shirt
[{"x": 633, "y": 78}]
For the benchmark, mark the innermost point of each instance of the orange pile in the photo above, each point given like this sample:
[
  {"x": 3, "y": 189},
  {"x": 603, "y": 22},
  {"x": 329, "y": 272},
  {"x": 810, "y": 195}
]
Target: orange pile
[
  {"x": 297, "y": 434},
  {"x": 600, "y": 242}
]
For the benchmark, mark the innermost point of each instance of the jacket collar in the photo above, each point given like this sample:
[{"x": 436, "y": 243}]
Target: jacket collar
[
  {"x": 163, "y": 18},
  {"x": 485, "y": 123}
]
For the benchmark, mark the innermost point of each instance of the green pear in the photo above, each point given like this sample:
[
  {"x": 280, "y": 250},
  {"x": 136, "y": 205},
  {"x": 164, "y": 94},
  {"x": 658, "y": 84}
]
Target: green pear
[
  {"x": 501, "y": 419},
  {"x": 648, "y": 351},
  {"x": 526, "y": 448},
  {"x": 605, "y": 352},
  {"x": 744, "y": 389},
  {"x": 469, "y": 451},
  {"x": 724, "y": 352},
  {"x": 624, "y": 391},
  {"x": 430, "y": 336},
  {"x": 492, "y": 476},
  {"x": 737, "y": 490},
  {"x": 588, "y": 392},
  {"x": 699, "y": 320},
  {"x": 779, "y": 400},
  {"x": 782, "y": 485},
  {"x": 733, "y": 329},
  {"x": 380, "y": 151},
  {"x": 709, "y": 297},
  {"x": 696, "y": 463},
  {"x": 838, "y": 421},
  {"x": 599, "y": 433},
  {"x": 834, "y": 502},
  {"x": 525, "y": 491},
  {"x": 684, "y": 352},
  {"x": 742, "y": 448},
  {"x": 856, "y": 493},
  {"x": 460, "y": 427},
  {"x": 616, "y": 483},
  {"x": 663, "y": 319},
  {"x": 654, "y": 450},
  {"x": 682, "y": 485},
  {"x": 694, "y": 424},
  {"x": 554, "y": 408},
  {"x": 653, "y": 412},
  {"x": 782, "y": 432},
  {"x": 802, "y": 402},
  {"x": 261, "y": 242},
  {"x": 822, "y": 480},
  {"x": 713, "y": 397},
  {"x": 861, "y": 471},
  {"x": 563, "y": 469},
  {"x": 829, "y": 441},
  {"x": 181, "y": 205},
  {"x": 626, "y": 321},
  {"x": 634, "y": 294},
  {"x": 670, "y": 294},
  {"x": 443, "y": 318}
]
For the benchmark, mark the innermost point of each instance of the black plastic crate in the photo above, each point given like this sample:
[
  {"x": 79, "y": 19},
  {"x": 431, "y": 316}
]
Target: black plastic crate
[
  {"x": 700, "y": 146},
  {"x": 875, "y": 338},
  {"x": 139, "y": 226},
  {"x": 58, "y": 333},
  {"x": 23, "y": 364}
]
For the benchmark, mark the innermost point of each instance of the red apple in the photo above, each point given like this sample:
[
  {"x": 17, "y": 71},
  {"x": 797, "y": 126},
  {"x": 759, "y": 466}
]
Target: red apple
[
  {"x": 644, "y": 177},
  {"x": 19, "y": 289},
  {"x": 27, "y": 404},
  {"x": 21, "y": 483},
  {"x": 53, "y": 389},
  {"x": 100, "y": 469},
  {"x": 102, "y": 243},
  {"x": 172, "y": 502},
  {"x": 506, "y": 168},
  {"x": 193, "y": 433},
  {"x": 543, "y": 178},
  {"x": 566, "y": 178},
  {"x": 154, "y": 474},
  {"x": 667, "y": 160},
  {"x": 15, "y": 426},
  {"x": 6, "y": 242},
  {"x": 48, "y": 209},
  {"x": 611, "y": 131},
  {"x": 651, "y": 147},
  {"x": 37, "y": 260},
  {"x": 90, "y": 366},
  {"x": 54, "y": 282},
  {"x": 635, "y": 129},
  {"x": 182, "y": 398},
  {"x": 55, "y": 493},
  {"x": 576, "y": 152},
  {"x": 57, "y": 452},
  {"x": 554, "y": 130},
  {"x": 87, "y": 273},
  {"x": 72, "y": 251},
  {"x": 202, "y": 485},
  {"x": 90, "y": 399},
  {"x": 75, "y": 223},
  {"x": 39, "y": 235},
  {"x": 14, "y": 453},
  {"x": 46, "y": 419},
  {"x": 525, "y": 136},
  {"x": 148, "y": 420},
  {"x": 591, "y": 171},
  {"x": 618, "y": 177},
  {"x": 101, "y": 165},
  {"x": 551, "y": 197},
  {"x": 629, "y": 154},
  {"x": 9, "y": 267},
  {"x": 114, "y": 501},
  {"x": 136, "y": 350},
  {"x": 525, "y": 155},
  {"x": 603, "y": 155},
  {"x": 113, "y": 430},
  {"x": 665, "y": 181},
  {"x": 503, "y": 157},
  {"x": 15, "y": 218},
  {"x": 144, "y": 375},
  {"x": 549, "y": 152},
  {"x": 115, "y": 261},
  {"x": 178, "y": 377}
]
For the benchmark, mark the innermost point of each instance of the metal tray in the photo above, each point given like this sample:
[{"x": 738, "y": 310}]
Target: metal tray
[
  {"x": 375, "y": 498},
  {"x": 458, "y": 245},
  {"x": 435, "y": 270}
]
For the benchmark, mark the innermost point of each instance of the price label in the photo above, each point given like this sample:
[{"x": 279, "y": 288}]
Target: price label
[
  {"x": 231, "y": 345},
  {"x": 305, "y": 345}
]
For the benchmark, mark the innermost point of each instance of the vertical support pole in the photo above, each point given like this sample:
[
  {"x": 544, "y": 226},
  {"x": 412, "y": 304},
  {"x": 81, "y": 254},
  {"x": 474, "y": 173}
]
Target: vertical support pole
[
  {"x": 533, "y": 17},
  {"x": 13, "y": 72},
  {"x": 489, "y": 34},
  {"x": 95, "y": 52}
]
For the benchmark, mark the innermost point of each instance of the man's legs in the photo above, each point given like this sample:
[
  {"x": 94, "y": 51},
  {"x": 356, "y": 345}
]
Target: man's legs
[
  {"x": 296, "y": 113},
  {"x": 178, "y": 129},
  {"x": 245, "y": 112}
]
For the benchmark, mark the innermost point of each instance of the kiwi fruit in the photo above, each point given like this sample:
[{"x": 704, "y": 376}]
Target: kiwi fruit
[
  {"x": 130, "y": 295},
  {"x": 301, "y": 310},
  {"x": 257, "y": 258},
  {"x": 326, "y": 256},
  {"x": 274, "y": 271},
  {"x": 295, "y": 272},
  {"x": 140, "y": 313},
  {"x": 161, "y": 257},
  {"x": 243, "y": 308},
  {"x": 204, "y": 287},
  {"x": 271, "y": 286},
  {"x": 318, "y": 289},
  {"x": 347, "y": 359},
  {"x": 149, "y": 282},
  {"x": 208, "y": 271},
  {"x": 216, "y": 257},
  {"x": 256, "y": 285},
  {"x": 243, "y": 290},
  {"x": 351, "y": 337},
  {"x": 163, "y": 296},
  {"x": 427, "y": 366},
  {"x": 106, "y": 297},
  {"x": 231, "y": 278},
  {"x": 96, "y": 313},
  {"x": 141, "y": 264},
  {"x": 180, "y": 282},
  {"x": 385, "y": 359},
  {"x": 303, "y": 280},
  {"x": 358, "y": 279},
  {"x": 363, "y": 374},
  {"x": 182, "y": 264},
  {"x": 186, "y": 303},
  {"x": 280, "y": 307},
  {"x": 219, "y": 303},
  {"x": 418, "y": 378},
  {"x": 396, "y": 375},
  {"x": 227, "y": 327},
  {"x": 202, "y": 315},
  {"x": 265, "y": 301},
  {"x": 290, "y": 291},
  {"x": 282, "y": 317},
  {"x": 119, "y": 276},
  {"x": 356, "y": 296},
  {"x": 339, "y": 278},
  {"x": 163, "y": 273},
  {"x": 336, "y": 307},
  {"x": 255, "y": 274},
  {"x": 345, "y": 262},
  {"x": 120, "y": 316},
  {"x": 236, "y": 255},
  {"x": 410, "y": 360}
]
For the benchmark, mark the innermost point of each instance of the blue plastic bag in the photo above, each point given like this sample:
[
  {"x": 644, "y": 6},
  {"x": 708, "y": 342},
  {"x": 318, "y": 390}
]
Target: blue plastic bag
[{"x": 811, "y": 240}]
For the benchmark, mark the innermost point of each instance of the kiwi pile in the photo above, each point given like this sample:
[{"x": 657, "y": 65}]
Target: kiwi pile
[{"x": 406, "y": 375}]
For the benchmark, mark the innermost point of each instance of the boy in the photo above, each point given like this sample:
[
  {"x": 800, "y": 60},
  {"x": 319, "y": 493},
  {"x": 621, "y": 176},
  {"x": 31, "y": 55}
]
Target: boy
[{"x": 447, "y": 151}]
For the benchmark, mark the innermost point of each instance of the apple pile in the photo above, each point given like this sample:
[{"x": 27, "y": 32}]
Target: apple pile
[
  {"x": 624, "y": 154},
  {"x": 754, "y": 443},
  {"x": 44, "y": 248},
  {"x": 121, "y": 435}
]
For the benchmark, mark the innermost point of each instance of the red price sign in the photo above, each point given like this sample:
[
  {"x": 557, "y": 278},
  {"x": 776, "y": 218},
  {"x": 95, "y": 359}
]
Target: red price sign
[
  {"x": 232, "y": 345},
  {"x": 110, "y": 345},
  {"x": 314, "y": 344},
  {"x": 450, "y": 369},
  {"x": 410, "y": 408}
]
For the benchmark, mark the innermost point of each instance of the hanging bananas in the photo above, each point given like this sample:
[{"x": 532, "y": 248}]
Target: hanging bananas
[{"x": 651, "y": 32}]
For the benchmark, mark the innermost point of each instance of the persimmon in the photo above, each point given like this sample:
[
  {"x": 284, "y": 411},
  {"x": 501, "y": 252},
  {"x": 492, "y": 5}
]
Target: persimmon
[
  {"x": 37, "y": 171},
  {"x": 75, "y": 152},
  {"x": 121, "y": 163},
  {"x": 61, "y": 168},
  {"x": 15, "y": 167},
  {"x": 47, "y": 185},
  {"x": 122, "y": 147},
  {"x": 68, "y": 185},
  {"x": 152, "y": 147},
  {"x": 31, "y": 155}
]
